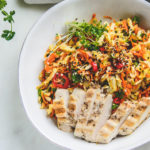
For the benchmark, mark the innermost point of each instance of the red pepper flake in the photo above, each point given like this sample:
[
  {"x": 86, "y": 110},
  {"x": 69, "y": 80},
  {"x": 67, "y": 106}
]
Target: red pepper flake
[
  {"x": 119, "y": 66},
  {"x": 75, "y": 39},
  {"x": 94, "y": 66},
  {"x": 102, "y": 49},
  {"x": 122, "y": 100},
  {"x": 94, "y": 15},
  {"x": 108, "y": 17}
]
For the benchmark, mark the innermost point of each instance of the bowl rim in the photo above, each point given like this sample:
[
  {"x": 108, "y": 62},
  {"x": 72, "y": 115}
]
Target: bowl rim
[{"x": 134, "y": 145}]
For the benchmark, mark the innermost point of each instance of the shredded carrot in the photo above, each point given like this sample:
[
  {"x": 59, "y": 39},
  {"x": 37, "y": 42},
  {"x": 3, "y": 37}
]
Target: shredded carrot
[
  {"x": 80, "y": 71},
  {"x": 140, "y": 95},
  {"x": 52, "y": 113},
  {"x": 122, "y": 78},
  {"x": 129, "y": 86},
  {"x": 85, "y": 55},
  {"x": 141, "y": 52},
  {"x": 43, "y": 98},
  {"x": 114, "y": 20},
  {"x": 147, "y": 90},
  {"x": 108, "y": 17},
  {"x": 125, "y": 25},
  {"x": 136, "y": 29},
  {"x": 50, "y": 59},
  {"x": 128, "y": 71},
  {"x": 148, "y": 75},
  {"x": 126, "y": 86},
  {"x": 48, "y": 68}
]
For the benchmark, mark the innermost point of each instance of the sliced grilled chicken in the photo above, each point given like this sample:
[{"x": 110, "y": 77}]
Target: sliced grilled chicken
[
  {"x": 86, "y": 110},
  {"x": 60, "y": 106},
  {"x": 137, "y": 116},
  {"x": 111, "y": 127},
  {"x": 100, "y": 114},
  {"x": 75, "y": 103}
]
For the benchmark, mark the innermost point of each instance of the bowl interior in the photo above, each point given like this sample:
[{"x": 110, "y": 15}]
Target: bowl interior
[{"x": 31, "y": 63}]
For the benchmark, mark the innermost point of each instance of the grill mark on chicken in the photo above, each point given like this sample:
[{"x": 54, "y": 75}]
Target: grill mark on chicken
[
  {"x": 101, "y": 112},
  {"x": 67, "y": 113},
  {"x": 75, "y": 104},
  {"x": 111, "y": 128},
  {"x": 60, "y": 105},
  {"x": 72, "y": 107},
  {"x": 80, "y": 129},
  {"x": 59, "y": 111},
  {"x": 138, "y": 115}
]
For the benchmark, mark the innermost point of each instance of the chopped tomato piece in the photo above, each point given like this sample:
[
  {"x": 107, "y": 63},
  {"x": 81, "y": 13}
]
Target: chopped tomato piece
[{"x": 60, "y": 81}]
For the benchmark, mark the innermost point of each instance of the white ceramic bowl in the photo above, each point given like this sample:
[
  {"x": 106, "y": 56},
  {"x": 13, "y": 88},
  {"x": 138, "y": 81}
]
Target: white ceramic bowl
[{"x": 36, "y": 43}]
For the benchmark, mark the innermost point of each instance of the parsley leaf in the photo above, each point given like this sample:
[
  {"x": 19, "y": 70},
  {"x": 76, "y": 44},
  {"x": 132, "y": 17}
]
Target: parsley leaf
[
  {"x": 8, "y": 35},
  {"x": 3, "y": 3},
  {"x": 8, "y": 17}
]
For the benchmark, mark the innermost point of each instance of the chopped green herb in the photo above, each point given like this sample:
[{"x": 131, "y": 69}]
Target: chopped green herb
[
  {"x": 136, "y": 20},
  {"x": 134, "y": 41},
  {"x": 76, "y": 77},
  {"x": 58, "y": 52},
  {"x": 114, "y": 106},
  {"x": 39, "y": 92},
  {"x": 112, "y": 55},
  {"x": 119, "y": 94},
  {"x": 52, "y": 96},
  {"x": 88, "y": 34},
  {"x": 54, "y": 89},
  {"x": 136, "y": 63},
  {"x": 124, "y": 33},
  {"x": 41, "y": 100}
]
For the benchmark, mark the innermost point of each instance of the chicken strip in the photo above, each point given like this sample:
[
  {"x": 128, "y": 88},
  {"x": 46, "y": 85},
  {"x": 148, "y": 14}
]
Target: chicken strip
[
  {"x": 137, "y": 116},
  {"x": 111, "y": 127},
  {"x": 76, "y": 101},
  {"x": 101, "y": 112},
  {"x": 85, "y": 113},
  {"x": 60, "y": 105}
]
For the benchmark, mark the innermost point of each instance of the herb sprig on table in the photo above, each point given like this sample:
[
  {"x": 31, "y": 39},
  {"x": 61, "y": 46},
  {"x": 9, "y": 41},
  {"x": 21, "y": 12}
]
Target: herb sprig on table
[{"x": 8, "y": 17}]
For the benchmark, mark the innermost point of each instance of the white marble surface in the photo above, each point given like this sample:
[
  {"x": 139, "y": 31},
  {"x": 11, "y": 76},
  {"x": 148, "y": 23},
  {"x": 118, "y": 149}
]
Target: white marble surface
[{"x": 16, "y": 131}]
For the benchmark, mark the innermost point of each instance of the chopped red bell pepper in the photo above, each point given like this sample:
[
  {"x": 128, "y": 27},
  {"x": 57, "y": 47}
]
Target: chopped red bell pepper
[
  {"x": 119, "y": 66},
  {"x": 116, "y": 100},
  {"x": 60, "y": 81},
  {"x": 94, "y": 66}
]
